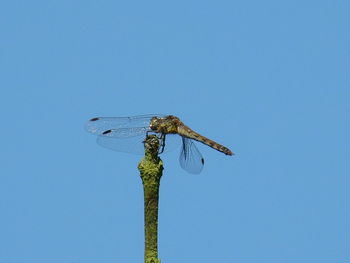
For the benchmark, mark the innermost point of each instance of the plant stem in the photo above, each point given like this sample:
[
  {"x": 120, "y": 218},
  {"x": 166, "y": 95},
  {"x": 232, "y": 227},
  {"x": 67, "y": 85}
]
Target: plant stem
[{"x": 151, "y": 168}]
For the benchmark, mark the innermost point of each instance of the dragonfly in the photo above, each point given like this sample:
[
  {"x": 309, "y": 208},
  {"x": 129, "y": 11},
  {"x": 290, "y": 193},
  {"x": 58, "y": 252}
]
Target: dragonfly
[{"x": 127, "y": 134}]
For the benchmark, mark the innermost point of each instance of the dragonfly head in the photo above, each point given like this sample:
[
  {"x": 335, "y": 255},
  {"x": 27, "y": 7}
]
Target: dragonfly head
[{"x": 155, "y": 124}]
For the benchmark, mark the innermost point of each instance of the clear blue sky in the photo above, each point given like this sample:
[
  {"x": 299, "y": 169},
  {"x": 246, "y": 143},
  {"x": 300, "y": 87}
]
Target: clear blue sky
[{"x": 268, "y": 79}]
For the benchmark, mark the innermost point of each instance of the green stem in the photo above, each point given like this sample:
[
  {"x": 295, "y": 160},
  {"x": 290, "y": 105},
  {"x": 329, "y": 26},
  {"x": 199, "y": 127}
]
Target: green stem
[{"x": 151, "y": 168}]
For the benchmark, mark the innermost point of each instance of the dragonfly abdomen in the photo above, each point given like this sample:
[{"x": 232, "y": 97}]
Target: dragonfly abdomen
[
  {"x": 217, "y": 146},
  {"x": 189, "y": 133}
]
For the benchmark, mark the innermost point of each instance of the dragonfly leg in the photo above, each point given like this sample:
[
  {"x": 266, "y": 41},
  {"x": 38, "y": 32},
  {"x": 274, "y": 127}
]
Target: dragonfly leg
[{"x": 162, "y": 139}]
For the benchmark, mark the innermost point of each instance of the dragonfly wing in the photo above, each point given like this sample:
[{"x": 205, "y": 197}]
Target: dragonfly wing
[
  {"x": 191, "y": 159},
  {"x": 128, "y": 140},
  {"x": 100, "y": 124},
  {"x": 128, "y": 144}
]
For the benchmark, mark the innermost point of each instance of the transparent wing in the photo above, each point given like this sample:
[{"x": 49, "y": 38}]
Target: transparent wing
[
  {"x": 190, "y": 159},
  {"x": 100, "y": 124},
  {"x": 134, "y": 144},
  {"x": 128, "y": 145}
]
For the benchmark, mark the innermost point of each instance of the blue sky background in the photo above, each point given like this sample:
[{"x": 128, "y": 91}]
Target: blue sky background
[{"x": 268, "y": 79}]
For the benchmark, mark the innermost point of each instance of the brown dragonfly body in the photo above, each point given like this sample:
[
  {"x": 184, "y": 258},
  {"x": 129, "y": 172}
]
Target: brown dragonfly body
[
  {"x": 126, "y": 134},
  {"x": 172, "y": 125}
]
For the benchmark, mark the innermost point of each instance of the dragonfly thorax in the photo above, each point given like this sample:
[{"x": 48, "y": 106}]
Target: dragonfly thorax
[{"x": 166, "y": 125}]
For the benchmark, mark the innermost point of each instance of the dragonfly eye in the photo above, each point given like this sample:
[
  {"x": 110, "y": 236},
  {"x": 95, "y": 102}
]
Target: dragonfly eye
[{"x": 154, "y": 123}]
